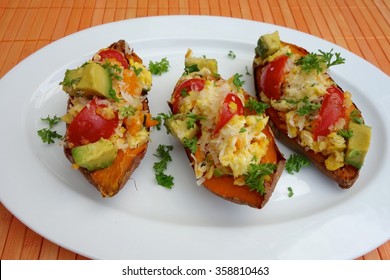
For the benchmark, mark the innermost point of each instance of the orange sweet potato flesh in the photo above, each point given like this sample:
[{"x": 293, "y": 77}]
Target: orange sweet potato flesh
[
  {"x": 109, "y": 181},
  {"x": 345, "y": 177},
  {"x": 224, "y": 186}
]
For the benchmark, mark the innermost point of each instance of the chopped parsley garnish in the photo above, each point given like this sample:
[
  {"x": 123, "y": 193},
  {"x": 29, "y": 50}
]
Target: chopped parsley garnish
[
  {"x": 313, "y": 61},
  {"x": 247, "y": 71},
  {"x": 113, "y": 96},
  {"x": 158, "y": 68},
  {"x": 237, "y": 81},
  {"x": 191, "y": 144},
  {"x": 51, "y": 121},
  {"x": 346, "y": 133},
  {"x": 356, "y": 116},
  {"x": 232, "y": 55},
  {"x": 70, "y": 82},
  {"x": 162, "y": 118},
  {"x": 257, "y": 106},
  {"x": 192, "y": 119},
  {"x": 191, "y": 68},
  {"x": 159, "y": 167},
  {"x": 256, "y": 175},
  {"x": 295, "y": 162},
  {"x": 127, "y": 111},
  {"x": 113, "y": 70},
  {"x": 305, "y": 107},
  {"x": 242, "y": 129},
  {"x": 137, "y": 71},
  {"x": 290, "y": 192},
  {"x": 48, "y": 135}
]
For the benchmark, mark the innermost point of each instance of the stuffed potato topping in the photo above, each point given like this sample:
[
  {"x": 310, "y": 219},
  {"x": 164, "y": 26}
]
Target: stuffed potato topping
[
  {"x": 108, "y": 119},
  {"x": 308, "y": 110},
  {"x": 225, "y": 134}
]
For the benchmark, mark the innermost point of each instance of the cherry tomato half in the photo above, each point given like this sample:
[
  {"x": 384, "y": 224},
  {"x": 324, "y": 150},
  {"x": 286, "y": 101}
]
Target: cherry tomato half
[
  {"x": 231, "y": 106},
  {"x": 272, "y": 77},
  {"x": 114, "y": 54},
  {"x": 332, "y": 109},
  {"x": 89, "y": 126},
  {"x": 182, "y": 89}
]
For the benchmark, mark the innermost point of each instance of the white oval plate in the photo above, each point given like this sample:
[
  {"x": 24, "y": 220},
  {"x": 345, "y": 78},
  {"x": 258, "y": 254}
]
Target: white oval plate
[{"x": 146, "y": 221}]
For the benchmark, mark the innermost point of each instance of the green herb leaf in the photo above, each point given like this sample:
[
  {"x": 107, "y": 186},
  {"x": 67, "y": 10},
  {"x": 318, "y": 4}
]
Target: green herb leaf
[
  {"x": 165, "y": 180},
  {"x": 356, "y": 116},
  {"x": 313, "y": 61},
  {"x": 192, "y": 119},
  {"x": 191, "y": 144},
  {"x": 158, "y": 68},
  {"x": 159, "y": 167},
  {"x": 290, "y": 192},
  {"x": 305, "y": 107},
  {"x": 257, "y": 106},
  {"x": 127, "y": 111},
  {"x": 51, "y": 121},
  {"x": 162, "y": 118},
  {"x": 256, "y": 174},
  {"x": 113, "y": 70},
  {"x": 232, "y": 55},
  {"x": 137, "y": 71},
  {"x": 295, "y": 162},
  {"x": 247, "y": 71},
  {"x": 191, "y": 68},
  {"x": 47, "y": 135},
  {"x": 327, "y": 57},
  {"x": 346, "y": 133},
  {"x": 237, "y": 81},
  {"x": 70, "y": 82}
]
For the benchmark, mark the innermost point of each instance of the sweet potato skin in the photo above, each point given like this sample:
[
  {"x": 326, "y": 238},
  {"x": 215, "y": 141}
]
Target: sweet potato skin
[{"x": 345, "y": 177}]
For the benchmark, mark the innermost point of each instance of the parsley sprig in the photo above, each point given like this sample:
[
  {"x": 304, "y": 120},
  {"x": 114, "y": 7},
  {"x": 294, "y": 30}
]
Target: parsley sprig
[
  {"x": 257, "y": 106},
  {"x": 256, "y": 175},
  {"x": 295, "y": 162},
  {"x": 48, "y": 135},
  {"x": 159, "y": 67},
  {"x": 237, "y": 81},
  {"x": 313, "y": 61},
  {"x": 159, "y": 167},
  {"x": 162, "y": 119}
]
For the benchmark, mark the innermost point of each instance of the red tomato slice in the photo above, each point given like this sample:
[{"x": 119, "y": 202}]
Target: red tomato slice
[
  {"x": 118, "y": 56},
  {"x": 185, "y": 87},
  {"x": 88, "y": 126},
  {"x": 332, "y": 109},
  {"x": 231, "y": 106},
  {"x": 272, "y": 77}
]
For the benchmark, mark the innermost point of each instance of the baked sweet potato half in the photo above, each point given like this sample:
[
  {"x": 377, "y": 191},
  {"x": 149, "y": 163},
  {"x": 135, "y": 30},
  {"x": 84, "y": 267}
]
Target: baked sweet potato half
[
  {"x": 107, "y": 118},
  {"x": 225, "y": 134},
  {"x": 308, "y": 110}
]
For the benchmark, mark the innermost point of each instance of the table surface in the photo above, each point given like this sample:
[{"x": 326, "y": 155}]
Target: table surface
[{"x": 361, "y": 26}]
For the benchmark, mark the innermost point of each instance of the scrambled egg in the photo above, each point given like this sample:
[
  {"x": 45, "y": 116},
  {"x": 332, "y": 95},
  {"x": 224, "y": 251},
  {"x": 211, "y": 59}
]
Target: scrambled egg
[
  {"x": 311, "y": 86},
  {"x": 238, "y": 143}
]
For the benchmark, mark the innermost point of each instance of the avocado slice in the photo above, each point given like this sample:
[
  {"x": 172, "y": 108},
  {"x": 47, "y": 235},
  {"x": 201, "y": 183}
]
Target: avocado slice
[
  {"x": 268, "y": 44},
  {"x": 97, "y": 155},
  {"x": 358, "y": 144},
  {"x": 88, "y": 80},
  {"x": 178, "y": 126},
  {"x": 199, "y": 62}
]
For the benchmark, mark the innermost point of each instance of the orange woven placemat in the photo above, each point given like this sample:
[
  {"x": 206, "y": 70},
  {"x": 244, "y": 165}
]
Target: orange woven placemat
[{"x": 362, "y": 26}]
